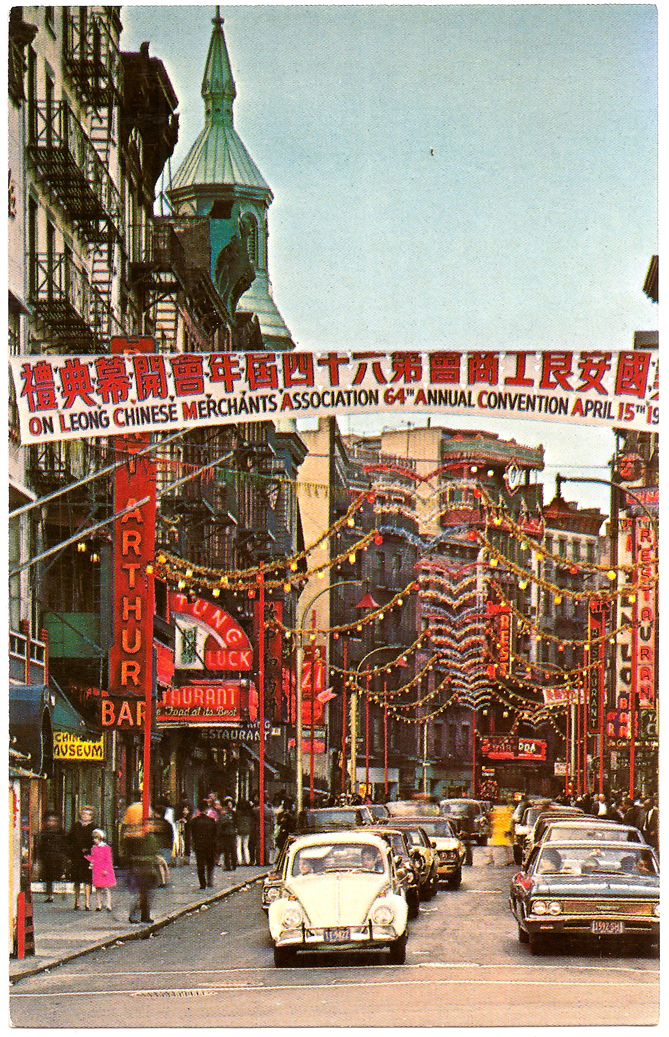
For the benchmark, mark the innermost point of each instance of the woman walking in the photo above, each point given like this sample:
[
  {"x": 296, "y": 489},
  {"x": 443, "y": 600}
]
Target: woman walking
[
  {"x": 102, "y": 867},
  {"x": 80, "y": 841}
]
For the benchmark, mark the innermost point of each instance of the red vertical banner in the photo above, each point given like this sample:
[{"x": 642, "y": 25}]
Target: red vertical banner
[
  {"x": 595, "y": 674},
  {"x": 273, "y": 653},
  {"x": 131, "y": 653}
]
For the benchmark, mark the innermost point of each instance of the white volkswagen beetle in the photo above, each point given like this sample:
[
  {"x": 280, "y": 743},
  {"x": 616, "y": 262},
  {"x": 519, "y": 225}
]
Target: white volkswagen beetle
[{"x": 339, "y": 890}]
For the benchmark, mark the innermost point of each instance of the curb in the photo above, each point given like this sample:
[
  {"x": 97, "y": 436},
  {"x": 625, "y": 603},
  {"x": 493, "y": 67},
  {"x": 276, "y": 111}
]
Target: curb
[{"x": 141, "y": 934}]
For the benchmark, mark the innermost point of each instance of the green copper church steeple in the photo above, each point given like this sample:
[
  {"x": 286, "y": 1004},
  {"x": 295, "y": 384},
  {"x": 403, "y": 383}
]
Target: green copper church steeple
[{"x": 219, "y": 179}]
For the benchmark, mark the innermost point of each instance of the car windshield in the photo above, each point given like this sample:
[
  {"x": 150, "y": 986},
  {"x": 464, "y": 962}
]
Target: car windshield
[
  {"x": 438, "y": 829},
  {"x": 462, "y": 809},
  {"x": 613, "y": 834},
  {"x": 408, "y": 807},
  {"x": 317, "y": 818},
  {"x": 616, "y": 859},
  {"x": 378, "y": 810},
  {"x": 317, "y": 860}
]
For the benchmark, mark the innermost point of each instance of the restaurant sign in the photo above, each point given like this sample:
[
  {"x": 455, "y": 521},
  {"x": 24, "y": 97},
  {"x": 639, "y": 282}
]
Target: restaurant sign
[{"x": 211, "y": 702}]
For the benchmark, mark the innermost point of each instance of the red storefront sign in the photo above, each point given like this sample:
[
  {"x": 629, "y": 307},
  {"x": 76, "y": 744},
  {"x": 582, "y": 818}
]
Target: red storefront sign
[
  {"x": 122, "y": 714},
  {"x": 213, "y": 702},
  {"x": 512, "y": 747},
  {"x": 311, "y": 690}
]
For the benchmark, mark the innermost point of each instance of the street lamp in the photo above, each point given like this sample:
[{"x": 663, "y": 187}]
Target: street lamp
[
  {"x": 298, "y": 690},
  {"x": 399, "y": 661}
]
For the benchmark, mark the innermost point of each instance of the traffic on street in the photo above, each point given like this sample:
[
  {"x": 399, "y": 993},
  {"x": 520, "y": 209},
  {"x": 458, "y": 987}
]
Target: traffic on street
[{"x": 464, "y": 963}]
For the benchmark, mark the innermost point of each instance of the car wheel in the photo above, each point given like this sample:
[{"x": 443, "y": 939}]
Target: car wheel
[
  {"x": 413, "y": 903},
  {"x": 398, "y": 950},
  {"x": 523, "y": 937},
  {"x": 455, "y": 879},
  {"x": 517, "y": 854},
  {"x": 283, "y": 957}
]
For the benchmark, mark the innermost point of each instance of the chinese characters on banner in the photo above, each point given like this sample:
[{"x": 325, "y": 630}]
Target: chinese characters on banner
[
  {"x": 511, "y": 747},
  {"x": 67, "y": 397},
  {"x": 595, "y": 674}
]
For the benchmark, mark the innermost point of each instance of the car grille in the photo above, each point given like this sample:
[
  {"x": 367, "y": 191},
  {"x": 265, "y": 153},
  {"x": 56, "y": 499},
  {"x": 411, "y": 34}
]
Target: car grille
[{"x": 603, "y": 908}]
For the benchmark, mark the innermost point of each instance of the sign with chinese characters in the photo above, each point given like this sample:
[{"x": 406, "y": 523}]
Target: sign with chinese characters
[
  {"x": 212, "y": 702},
  {"x": 67, "y": 397},
  {"x": 596, "y": 670},
  {"x": 206, "y": 636},
  {"x": 68, "y": 746}
]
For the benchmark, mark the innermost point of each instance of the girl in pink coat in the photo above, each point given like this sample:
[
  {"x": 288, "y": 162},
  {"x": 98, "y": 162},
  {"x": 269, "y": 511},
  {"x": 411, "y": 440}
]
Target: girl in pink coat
[{"x": 102, "y": 866}]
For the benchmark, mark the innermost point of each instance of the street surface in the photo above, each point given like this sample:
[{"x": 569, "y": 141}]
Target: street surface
[{"x": 465, "y": 967}]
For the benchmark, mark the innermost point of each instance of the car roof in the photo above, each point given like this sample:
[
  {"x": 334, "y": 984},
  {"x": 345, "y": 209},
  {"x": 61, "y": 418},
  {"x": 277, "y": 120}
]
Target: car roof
[
  {"x": 599, "y": 844},
  {"x": 357, "y": 835}
]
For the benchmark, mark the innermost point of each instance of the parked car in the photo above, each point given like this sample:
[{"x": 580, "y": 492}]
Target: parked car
[
  {"x": 469, "y": 818},
  {"x": 449, "y": 848},
  {"x": 340, "y": 890},
  {"x": 422, "y": 852},
  {"x": 587, "y": 887},
  {"x": 547, "y": 829},
  {"x": 329, "y": 819},
  {"x": 379, "y": 812}
]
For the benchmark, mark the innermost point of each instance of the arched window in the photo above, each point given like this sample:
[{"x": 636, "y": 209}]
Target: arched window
[{"x": 250, "y": 230}]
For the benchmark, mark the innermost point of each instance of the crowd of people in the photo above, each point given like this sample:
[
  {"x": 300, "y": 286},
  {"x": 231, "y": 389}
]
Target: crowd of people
[{"x": 640, "y": 811}]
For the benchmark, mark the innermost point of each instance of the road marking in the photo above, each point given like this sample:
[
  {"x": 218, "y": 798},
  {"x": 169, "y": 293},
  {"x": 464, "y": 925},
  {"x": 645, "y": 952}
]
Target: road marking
[
  {"x": 396, "y": 981},
  {"x": 635, "y": 969}
]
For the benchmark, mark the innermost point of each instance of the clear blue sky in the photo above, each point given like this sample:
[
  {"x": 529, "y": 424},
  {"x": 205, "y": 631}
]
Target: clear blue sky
[{"x": 444, "y": 176}]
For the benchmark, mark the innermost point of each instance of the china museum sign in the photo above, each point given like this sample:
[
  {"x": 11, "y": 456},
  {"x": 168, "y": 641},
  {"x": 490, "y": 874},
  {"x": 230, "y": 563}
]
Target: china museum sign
[{"x": 67, "y": 397}]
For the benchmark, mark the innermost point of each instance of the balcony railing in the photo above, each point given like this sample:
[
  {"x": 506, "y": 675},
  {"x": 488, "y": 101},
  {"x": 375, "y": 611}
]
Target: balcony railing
[
  {"x": 67, "y": 161},
  {"x": 64, "y": 299},
  {"x": 92, "y": 57}
]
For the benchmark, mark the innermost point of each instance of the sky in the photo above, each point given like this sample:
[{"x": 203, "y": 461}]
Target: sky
[{"x": 447, "y": 176}]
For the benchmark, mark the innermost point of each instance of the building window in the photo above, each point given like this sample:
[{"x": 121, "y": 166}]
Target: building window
[
  {"x": 590, "y": 551},
  {"x": 250, "y": 230},
  {"x": 562, "y": 547},
  {"x": 576, "y": 550}
]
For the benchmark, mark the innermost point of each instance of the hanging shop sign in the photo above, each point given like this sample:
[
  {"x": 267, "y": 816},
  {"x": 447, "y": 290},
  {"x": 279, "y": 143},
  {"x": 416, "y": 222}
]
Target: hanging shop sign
[
  {"x": 272, "y": 619},
  {"x": 68, "y": 397},
  {"x": 207, "y": 637},
  {"x": 312, "y": 687},
  {"x": 68, "y": 746},
  {"x": 237, "y": 732},
  {"x": 122, "y": 714},
  {"x": 636, "y": 647},
  {"x": 212, "y": 702},
  {"x": 595, "y": 674}
]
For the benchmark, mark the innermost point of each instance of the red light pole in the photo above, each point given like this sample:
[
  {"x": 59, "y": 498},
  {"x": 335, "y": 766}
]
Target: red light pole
[
  {"x": 261, "y": 712},
  {"x": 343, "y": 721}
]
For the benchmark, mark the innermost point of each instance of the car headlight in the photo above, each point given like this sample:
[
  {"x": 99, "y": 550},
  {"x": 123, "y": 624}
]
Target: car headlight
[
  {"x": 292, "y": 918},
  {"x": 539, "y": 907},
  {"x": 656, "y": 910},
  {"x": 554, "y": 908},
  {"x": 273, "y": 893},
  {"x": 383, "y": 914}
]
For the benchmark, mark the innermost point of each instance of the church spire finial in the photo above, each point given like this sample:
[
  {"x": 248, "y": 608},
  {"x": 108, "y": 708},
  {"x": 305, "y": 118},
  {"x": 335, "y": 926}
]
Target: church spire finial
[{"x": 217, "y": 20}]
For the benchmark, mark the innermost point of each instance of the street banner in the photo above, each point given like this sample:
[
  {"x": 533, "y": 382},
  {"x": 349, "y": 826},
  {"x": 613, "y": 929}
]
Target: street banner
[
  {"x": 69, "y": 397},
  {"x": 596, "y": 673}
]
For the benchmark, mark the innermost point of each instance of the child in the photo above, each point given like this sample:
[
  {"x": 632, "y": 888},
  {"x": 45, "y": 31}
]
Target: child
[{"x": 103, "y": 868}]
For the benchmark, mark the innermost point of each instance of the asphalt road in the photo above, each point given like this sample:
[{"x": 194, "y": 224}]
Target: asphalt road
[{"x": 464, "y": 967}]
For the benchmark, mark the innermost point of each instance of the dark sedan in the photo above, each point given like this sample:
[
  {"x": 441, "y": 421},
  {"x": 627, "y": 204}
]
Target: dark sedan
[
  {"x": 596, "y": 888},
  {"x": 332, "y": 819}
]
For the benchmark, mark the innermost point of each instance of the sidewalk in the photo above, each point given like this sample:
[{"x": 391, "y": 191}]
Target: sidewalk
[{"x": 62, "y": 933}]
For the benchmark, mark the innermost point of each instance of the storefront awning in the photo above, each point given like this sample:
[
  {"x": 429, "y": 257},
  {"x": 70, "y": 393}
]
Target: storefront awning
[
  {"x": 30, "y": 723},
  {"x": 66, "y": 718}
]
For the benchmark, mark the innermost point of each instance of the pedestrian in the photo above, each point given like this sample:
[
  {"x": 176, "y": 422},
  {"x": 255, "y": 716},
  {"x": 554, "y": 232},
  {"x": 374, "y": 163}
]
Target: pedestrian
[
  {"x": 227, "y": 834},
  {"x": 80, "y": 841},
  {"x": 500, "y": 833},
  {"x": 182, "y": 842},
  {"x": 651, "y": 824},
  {"x": 268, "y": 831},
  {"x": 164, "y": 836},
  {"x": 51, "y": 852},
  {"x": 612, "y": 812},
  {"x": 102, "y": 868},
  {"x": 629, "y": 812},
  {"x": 600, "y": 805},
  {"x": 244, "y": 819},
  {"x": 141, "y": 849},
  {"x": 287, "y": 823},
  {"x": 204, "y": 843},
  {"x": 254, "y": 834}
]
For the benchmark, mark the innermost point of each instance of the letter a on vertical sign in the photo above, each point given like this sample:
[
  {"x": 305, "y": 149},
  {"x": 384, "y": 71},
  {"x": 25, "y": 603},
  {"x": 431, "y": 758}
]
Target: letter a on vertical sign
[{"x": 131, "y": 654}]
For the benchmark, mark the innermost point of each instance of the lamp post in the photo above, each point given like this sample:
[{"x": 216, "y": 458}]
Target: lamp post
[
  {"x": 298, "y": 689},
  {"x": 399, "y": 661}
]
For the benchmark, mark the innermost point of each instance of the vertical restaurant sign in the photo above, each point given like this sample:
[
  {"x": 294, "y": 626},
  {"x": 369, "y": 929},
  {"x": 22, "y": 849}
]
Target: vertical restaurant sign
[
  {"x": 131, "y": 653},
  {"x": 273, "y": 655},
  {"x": 313, "y": 683},
  {"x": 636, "y": 647},
  {"x": 595, "y": 674},
  {"x": 67, "y": 397},
  {"x": 206, "y": 636}
]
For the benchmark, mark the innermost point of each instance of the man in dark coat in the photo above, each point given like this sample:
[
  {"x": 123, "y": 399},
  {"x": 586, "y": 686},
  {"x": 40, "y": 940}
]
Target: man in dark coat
[
  {"x": 203, "y": 840},
  {"x": 52, "y": 853},
  {"x": 227, "y": 834},
  {"x": 80, "y": 841}
]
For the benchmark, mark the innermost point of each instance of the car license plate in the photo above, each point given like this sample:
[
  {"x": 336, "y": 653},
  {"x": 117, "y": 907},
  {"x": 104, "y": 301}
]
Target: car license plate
[
  {"x": 606, "y": 926},
  {"x": 336, "y": 935}
]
